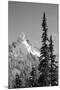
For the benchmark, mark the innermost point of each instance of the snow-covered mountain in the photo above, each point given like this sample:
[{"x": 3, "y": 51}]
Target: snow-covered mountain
[
  {"x": 22, "y": 58},
  {"x": 25, "y": 45}
]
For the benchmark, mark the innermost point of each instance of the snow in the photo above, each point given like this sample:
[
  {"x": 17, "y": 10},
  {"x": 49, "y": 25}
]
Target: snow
[{"x": 29, "y": 47}]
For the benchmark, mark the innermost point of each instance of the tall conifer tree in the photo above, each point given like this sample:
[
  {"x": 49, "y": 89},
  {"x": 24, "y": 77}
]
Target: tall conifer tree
[
  {"x": 54, "y": 67},
  {"x": 43, "y": 66}
]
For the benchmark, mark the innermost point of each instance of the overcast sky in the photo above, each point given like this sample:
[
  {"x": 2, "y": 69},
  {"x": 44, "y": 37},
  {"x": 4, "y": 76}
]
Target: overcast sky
[{"x": 27, "y": 18}]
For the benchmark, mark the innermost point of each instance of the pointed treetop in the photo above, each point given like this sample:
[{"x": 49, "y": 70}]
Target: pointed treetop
[
  {"x": 44, "y": 16},
  {"x": 51, "y": 43},
  {"x": 50, "y": 37},
  {"x": 44, "y": 20}
]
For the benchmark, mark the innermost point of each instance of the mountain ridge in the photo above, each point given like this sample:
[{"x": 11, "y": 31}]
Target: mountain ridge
[{"x": 23, "y": 42}]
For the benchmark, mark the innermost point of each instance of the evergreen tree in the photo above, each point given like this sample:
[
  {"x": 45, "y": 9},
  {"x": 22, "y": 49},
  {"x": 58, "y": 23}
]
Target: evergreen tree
[
  {"x": 54, "y": 67},
  {"x": 14, "y": 44},
  {"x": 43, "y": 66},
  {"x": 17, "y": 82},
  {"x": 33, "y": 80}
]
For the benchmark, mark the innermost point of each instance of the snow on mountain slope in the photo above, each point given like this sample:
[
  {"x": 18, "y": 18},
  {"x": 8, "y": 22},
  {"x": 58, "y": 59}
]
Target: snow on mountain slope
[
  {"x": 30, "y": 48},
  {"x": 23, "y": 46}
]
